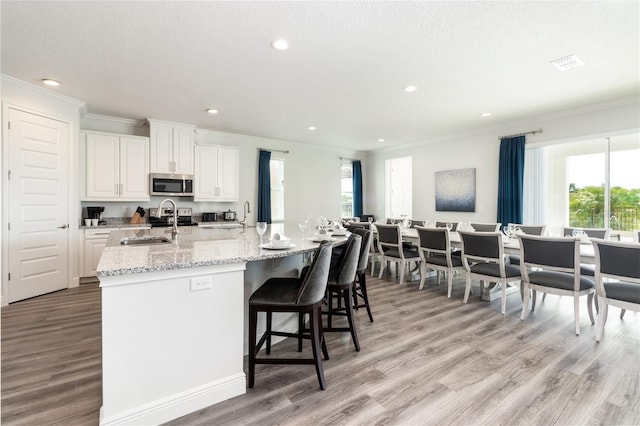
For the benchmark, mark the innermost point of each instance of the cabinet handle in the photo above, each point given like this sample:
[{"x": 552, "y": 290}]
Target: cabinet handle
[{"x": 64, "y": 226}]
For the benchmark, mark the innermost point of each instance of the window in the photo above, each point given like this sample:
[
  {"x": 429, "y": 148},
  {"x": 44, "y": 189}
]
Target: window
[
  {"x": 589, "y": 184},
  {"x": 277, "y": 189},
  {"x": 398, "y": 187},
  {"x": 347, "y": 190}
]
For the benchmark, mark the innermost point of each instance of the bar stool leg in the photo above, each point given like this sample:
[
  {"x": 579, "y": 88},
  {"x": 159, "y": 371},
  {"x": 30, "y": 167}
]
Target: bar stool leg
[
  {"x": 253, "y": 323},
  {"x": 316, "y": 330},
  {"x": 269, "y": 321},
  {"x": 349, "y": 307}
]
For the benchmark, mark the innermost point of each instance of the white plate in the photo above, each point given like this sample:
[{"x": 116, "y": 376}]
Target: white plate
[
  {"x": 319, "y": 240},
  {"x": 272, "y": 247}
]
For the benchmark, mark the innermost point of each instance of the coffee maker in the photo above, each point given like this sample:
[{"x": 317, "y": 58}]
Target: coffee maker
[{"x": 95, "y": 213}]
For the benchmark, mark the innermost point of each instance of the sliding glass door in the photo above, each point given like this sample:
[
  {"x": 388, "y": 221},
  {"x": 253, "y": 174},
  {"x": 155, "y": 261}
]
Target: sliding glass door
[{"x": 588, "y": 184}]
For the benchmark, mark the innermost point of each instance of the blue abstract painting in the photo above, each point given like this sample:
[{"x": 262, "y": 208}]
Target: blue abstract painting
[{"x": 456, "y": 190}]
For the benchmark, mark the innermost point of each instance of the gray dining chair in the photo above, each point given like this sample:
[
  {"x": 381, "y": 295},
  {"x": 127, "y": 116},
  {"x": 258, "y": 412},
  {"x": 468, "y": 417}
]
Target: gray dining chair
[
  {"x": 483, "y": 258},
  {"x": 617, "y": 278},
  {"x": 454, "y": 225},
  {"x": 391, "y": 248},
  {"x": 552, "y": 265},
  {"x": 539, "y": 230},
  {"x": 602, "y": 233},
  {"x": 434, "y": 246},
  {"x": 485, "y": 227}
]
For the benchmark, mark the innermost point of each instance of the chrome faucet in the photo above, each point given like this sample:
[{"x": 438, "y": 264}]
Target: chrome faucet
[
  {"x": 174, "y": 229},
  {"x": 246, "y": 211}
]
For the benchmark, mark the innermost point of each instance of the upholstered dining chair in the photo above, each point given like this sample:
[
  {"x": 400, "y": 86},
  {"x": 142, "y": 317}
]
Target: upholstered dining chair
[
  {"x": 552, "y": 265},
  {"x": 483, "y": 258},
  {"x": 303, "y": 295},
  {"x": 340, "y": 284},
  {"x": 360, "y": 288},
  {"x": 454, "y": 225},
  {"x": 602, "y": 233},
  {"x": 539, "y": 230},
  {"x": 434, "y": 247},
  {"x": 485, "y": 227},
  {"x": 390, "y": 246},
  {"x": 617, "y": 278}
]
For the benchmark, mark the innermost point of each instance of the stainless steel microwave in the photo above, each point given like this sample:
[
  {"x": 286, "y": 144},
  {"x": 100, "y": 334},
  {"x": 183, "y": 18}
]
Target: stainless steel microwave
[{"x": 174, "y": 185}]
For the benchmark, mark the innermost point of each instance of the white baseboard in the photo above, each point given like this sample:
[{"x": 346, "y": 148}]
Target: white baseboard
[{"x": 179, "y": 404}]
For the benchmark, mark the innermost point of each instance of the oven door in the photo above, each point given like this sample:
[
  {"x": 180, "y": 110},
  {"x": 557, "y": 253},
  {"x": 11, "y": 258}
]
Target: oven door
[{"x": 174, "y": 185}]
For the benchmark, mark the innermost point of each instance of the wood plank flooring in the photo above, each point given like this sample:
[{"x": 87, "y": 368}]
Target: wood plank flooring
[{"x": 425, "y": 360}]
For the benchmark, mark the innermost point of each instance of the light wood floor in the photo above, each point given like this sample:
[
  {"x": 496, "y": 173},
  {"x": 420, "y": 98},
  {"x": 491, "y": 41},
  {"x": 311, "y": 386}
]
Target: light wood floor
[{"x": 425, "y": 360}]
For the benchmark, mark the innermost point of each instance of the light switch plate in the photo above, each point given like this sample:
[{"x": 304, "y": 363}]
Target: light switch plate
[{"x": 200, "y": 283}]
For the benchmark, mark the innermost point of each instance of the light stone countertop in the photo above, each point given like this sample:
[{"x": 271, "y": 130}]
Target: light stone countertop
[{"x": 196, "y": 247}]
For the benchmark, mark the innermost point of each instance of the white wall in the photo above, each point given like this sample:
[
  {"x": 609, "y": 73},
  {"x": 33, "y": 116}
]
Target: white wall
[{"x": 480, "y": 150}]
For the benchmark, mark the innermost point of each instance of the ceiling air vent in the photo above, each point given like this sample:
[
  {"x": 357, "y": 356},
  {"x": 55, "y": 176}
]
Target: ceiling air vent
[{"x": 568, "y": 62}]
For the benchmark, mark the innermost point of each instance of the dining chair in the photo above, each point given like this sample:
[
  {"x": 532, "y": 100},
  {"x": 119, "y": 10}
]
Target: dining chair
[
  {"x": 602, "y": 233},
  {"x": 617, "y": 278},
  {"x": 414, "y": 223},
  {"x": 552, "y": 265},
  {"x": 434, "y": 246},
  {"x": 454, "y": 225},
  {"x": 485, "y": 227},
  {"x": 530, "y": 229},
  {"x": 303, "y": 295},
  {"x": 390, "y": 246},
  {"x": 360, "y": 288},
  {"x": 483, "y": 258},
  {"x": 340, "y": 284},
  {"x": 539, "y": 230}
]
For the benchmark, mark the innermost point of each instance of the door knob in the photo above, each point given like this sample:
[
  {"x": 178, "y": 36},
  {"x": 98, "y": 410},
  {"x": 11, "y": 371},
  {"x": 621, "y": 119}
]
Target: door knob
[{"x": 63, "y": 226}]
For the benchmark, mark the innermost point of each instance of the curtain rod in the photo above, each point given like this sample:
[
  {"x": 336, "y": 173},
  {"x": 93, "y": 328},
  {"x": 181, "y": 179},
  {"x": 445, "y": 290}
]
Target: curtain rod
[
  {"x": 532, "y": 132},
  {"x": 272, "y": 150},
  {"x": 350, "y": 159}
]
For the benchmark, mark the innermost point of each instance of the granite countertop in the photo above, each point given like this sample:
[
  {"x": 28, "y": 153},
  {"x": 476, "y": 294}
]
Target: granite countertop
[{"x": 195, "y": 247}]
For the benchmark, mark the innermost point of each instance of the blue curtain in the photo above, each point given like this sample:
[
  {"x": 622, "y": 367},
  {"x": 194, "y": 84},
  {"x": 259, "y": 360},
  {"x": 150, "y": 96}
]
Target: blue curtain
[
  {"x": 510, "y": 180},
  {"x": 264, "y": 187},
  {"x": 357, "y": 188}
]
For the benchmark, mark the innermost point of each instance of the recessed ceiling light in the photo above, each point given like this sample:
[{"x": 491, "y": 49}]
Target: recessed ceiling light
[
  {"x": 211, "y": 111},
  {"x": 410, "y": 89},
  {"x": 50, "y": 82},
  {"x": 312, "y": 128},
  {"x": 380, "y": 140},
  {"x": 280, "y": 44},
  {"x": 568, "y": 62},
  {"x": 485, "y": 114}
]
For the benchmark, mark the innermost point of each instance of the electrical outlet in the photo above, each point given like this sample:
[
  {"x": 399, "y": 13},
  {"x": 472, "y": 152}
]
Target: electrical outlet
[{"x": 200, "y": 283}]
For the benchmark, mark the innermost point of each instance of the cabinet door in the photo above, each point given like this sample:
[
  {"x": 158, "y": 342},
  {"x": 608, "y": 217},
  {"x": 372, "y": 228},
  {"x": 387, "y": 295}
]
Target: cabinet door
[
  {"x": 206, "y": 177},
  {"x": 93, "y": 249},
  {"x": 229, "y": 174},
  {"x": 102, "y": 164},
  {"x": 161, "y": 151},
  {"x": 134, "y": 168},
  {"x": 183, "y": 150}
]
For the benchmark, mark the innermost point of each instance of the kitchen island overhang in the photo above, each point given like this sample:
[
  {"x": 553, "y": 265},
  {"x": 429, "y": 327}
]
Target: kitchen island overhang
[{"x": 173, "y": 332}]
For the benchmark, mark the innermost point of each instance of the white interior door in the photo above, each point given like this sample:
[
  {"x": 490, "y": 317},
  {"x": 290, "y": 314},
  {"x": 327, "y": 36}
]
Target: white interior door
[{"x": 38, "y": 205}]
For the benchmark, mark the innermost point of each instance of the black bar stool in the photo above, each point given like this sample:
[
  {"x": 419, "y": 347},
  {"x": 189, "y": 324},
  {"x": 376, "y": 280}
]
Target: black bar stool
[{"x": 302, "y": 295}]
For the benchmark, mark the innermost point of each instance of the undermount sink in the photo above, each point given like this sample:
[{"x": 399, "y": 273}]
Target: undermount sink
[{"x": 142, "y": 241}]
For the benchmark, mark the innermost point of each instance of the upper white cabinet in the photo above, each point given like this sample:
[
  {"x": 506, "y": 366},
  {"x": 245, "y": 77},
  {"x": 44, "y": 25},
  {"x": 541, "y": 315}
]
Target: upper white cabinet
[
  {"x": 217, "y": 173},
  {"x": 116, "y": 167},
  {"x": 171, "y": 148}
]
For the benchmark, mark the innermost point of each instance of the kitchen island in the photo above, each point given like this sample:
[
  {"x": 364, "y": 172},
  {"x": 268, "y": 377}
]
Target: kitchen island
[{"x": 173, "y": 317}]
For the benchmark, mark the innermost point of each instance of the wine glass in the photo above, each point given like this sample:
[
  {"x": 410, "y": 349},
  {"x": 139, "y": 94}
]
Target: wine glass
[
  {"x": 506, "y": 229},
  {"x": 449, "y": 226},
  {"x": 370, "y": 219},
  {"x": 261, "y": 227},
  {"x": 303, "y": 224}
]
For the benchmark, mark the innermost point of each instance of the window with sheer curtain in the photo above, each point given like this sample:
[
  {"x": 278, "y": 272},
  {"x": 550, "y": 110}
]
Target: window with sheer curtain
[
  {"x": 589, "y": 184},
  {"x": 346, "y": 180},
  {"x": 277, "y": 189},
  {"x": 398, "y": 187}
]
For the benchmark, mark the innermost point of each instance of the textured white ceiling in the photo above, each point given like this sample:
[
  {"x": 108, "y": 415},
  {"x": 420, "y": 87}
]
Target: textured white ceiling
[{"x": 344, "y": 71}]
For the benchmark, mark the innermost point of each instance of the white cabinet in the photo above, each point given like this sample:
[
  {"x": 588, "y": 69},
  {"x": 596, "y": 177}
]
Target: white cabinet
[
  {"x": 95, "y": 241},
  {"x": 171, "y": 148},
  {"x": 117, "y": 167},
  {"x": 217, "y": 174}
]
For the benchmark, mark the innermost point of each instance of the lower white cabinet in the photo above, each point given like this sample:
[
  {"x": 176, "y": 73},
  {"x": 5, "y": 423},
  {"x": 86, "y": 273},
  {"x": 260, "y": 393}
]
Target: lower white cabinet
[
  {"x": 217, "y": 173},
  {"x": 95, "y": 241}
]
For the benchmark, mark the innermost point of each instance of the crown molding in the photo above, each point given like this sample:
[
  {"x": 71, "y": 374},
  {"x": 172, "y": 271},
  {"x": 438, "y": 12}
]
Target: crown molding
[{"x": 7, "y": 79}]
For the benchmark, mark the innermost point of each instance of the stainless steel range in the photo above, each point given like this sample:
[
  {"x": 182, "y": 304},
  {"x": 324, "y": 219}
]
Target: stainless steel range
[{"x": 166, "y": 217}]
